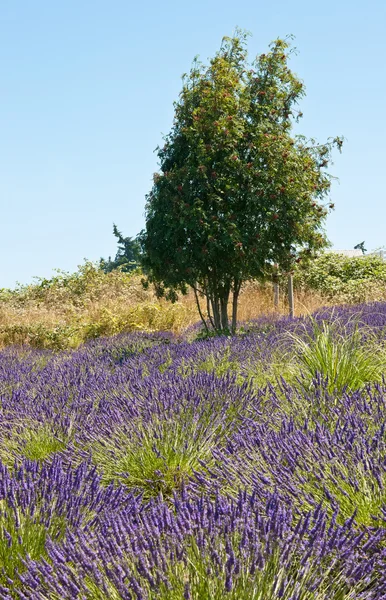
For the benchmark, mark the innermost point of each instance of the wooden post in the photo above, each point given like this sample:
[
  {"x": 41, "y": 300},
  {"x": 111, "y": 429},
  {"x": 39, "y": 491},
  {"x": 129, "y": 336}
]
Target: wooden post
[{"x": 291, "y": 295}]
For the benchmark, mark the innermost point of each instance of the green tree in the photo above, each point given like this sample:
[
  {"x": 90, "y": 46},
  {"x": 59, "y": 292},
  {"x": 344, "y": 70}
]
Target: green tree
[
  {"x": 236, "y": 192},
  {"x": 127, "y": 257},
  {"x": 361, "y": 247}
]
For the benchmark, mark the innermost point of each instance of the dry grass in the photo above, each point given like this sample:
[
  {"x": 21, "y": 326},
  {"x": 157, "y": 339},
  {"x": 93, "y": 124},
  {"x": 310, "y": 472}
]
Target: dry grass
[
  {"x": 69, "y": 309},
  {"x": 257, "y": 300}
]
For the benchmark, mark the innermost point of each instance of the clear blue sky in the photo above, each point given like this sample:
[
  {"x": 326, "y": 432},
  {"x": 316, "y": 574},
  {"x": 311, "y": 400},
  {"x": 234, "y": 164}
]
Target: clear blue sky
[{"x": 87, "y": 90}]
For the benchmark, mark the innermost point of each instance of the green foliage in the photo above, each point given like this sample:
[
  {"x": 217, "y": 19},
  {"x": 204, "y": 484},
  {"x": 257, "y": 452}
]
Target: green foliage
[
  {"x": 29, "y": 440},
  {"x": 340, "y": 356},
  {"x": 22, "y": 533},
  {"x": 236, "y": 192},
  {"x": 354, "y": 490},
  {"x": 343, "y": 279},
  {"x": 127, "y": 257},
  {"x": 155, "y": 460}
]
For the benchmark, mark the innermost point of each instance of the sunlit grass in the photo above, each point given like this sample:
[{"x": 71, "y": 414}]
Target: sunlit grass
[
  {"x": 342, "y": 357},
  {"x": 24, "y": 532},
  {"x": 156, "y": 458},
  {"x": 30, "y": 440},
  {"x": 353, "y": 490},
  {"x": 68, "y": 309}
]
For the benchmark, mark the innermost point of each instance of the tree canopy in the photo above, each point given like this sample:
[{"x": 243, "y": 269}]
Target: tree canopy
[
  {"x": 127, "y": 257},
  {"x": 237, "y": 192}
]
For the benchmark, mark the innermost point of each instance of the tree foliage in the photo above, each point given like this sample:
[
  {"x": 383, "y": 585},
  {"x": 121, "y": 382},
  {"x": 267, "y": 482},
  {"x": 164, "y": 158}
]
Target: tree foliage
[
  {"x": 237, "y": 192},
  {"x": 127, "y": 257},
  {"x": 361, "y": 247}
]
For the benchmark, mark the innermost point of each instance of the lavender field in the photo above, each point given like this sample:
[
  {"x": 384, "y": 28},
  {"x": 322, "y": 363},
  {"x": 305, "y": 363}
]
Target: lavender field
[{"x": 146, "y": 466}]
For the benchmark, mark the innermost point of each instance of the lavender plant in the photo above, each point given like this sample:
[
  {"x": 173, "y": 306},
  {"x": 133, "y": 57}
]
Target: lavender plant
[
  {"x": 204, "y": 549},
  {"x": 155, "y": 467},
  {"x": 156, "y": 452},
  {"x": 42, "y": 503}
]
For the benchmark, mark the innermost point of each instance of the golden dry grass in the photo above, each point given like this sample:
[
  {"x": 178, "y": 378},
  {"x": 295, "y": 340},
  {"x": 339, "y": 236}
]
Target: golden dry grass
[
  {"x": 257, "y": 300},
  {"x": 65, "y": 312},
  {"x": 69, "y": 309}
]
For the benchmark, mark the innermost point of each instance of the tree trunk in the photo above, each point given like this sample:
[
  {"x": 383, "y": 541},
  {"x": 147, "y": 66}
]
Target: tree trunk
[
  {"x": 216, "y": 312},
  {"x": 199, "y": 309},
  {"x": 219, "y": 303},
  {"x": 224, "y": 311},
  {"x": 217, "y": 297},
  {"x": 208, "y": 310},
  {"x": 235, "y": 299}
]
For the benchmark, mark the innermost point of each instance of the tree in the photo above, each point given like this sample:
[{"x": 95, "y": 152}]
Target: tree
[
  {"x": 127, "y": 257},
  {"x": 361, "y": 247},
  {"x": 236, "y": 192}
]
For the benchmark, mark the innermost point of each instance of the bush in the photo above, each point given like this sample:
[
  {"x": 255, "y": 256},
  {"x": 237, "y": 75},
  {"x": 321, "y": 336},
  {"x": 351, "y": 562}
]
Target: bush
[{"x": 342, "y": 279}]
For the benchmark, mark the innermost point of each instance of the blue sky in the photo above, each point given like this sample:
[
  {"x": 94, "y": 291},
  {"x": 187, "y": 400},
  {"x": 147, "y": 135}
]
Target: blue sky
[{"x": 87, "y": 90}]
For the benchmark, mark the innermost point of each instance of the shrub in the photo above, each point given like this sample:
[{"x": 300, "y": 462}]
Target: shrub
[{"x": 343, "y": 279}]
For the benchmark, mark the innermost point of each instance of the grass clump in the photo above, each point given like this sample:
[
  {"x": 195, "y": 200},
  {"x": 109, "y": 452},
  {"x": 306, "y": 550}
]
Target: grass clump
[
  {"x": 157, "y": 458},
  {"x": 352, "y": 489},
  {"x": 219, "y": 363},
  {"x": 24, "y": 532},
  {"x": 41, "y": 444},
  {"x": 344, "y": 358},
  {"x": 30, "y": 441}
]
